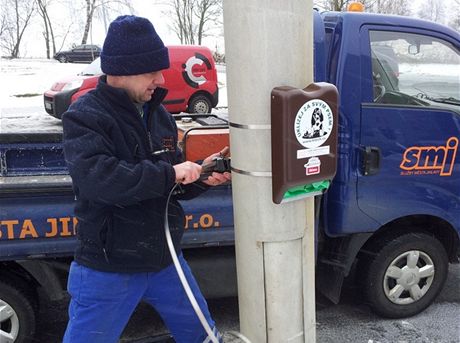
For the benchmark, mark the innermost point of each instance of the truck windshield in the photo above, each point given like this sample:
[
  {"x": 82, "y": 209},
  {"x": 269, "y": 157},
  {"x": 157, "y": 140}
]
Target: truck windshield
[{"x": 414, "y": 69}]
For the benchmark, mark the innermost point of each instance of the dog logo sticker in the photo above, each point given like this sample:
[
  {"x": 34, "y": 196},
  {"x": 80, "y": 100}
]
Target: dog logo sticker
[{"x": 313, "y": 123}]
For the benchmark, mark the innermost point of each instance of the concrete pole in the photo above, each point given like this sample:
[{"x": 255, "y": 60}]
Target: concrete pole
[{"x": 268, "y": 43}]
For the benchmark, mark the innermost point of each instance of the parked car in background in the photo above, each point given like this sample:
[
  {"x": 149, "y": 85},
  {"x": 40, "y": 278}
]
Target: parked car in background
[
  {"x": 81, "y": 53},
  {"x": 191, "y": 81}
]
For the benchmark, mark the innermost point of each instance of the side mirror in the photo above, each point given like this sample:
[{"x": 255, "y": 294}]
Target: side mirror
[{"x": 413, "y": 49}]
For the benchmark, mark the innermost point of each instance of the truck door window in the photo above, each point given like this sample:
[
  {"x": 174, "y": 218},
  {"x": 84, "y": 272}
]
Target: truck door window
[{"x": 413, "y": 69}]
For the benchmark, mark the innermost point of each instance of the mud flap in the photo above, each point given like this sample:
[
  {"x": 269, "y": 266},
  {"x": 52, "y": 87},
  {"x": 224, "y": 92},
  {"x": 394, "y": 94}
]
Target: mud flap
[{"x": 337, "y": 257}]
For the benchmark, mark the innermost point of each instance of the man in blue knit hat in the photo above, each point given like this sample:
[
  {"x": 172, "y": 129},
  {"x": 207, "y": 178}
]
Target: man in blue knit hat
[{"x": 120, "y": 146}]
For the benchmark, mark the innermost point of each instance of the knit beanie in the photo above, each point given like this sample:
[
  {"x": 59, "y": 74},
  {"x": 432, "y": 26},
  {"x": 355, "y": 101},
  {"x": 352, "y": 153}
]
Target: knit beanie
[{"x": 133, "y": 47}]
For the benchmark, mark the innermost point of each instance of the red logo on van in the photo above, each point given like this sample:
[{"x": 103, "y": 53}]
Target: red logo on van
[
  {"x": 430, "y": 159},
  {"x": 194, "y": 70}
]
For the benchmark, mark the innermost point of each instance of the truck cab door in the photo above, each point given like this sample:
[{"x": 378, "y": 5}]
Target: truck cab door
[{"x": 410, "y": 124}]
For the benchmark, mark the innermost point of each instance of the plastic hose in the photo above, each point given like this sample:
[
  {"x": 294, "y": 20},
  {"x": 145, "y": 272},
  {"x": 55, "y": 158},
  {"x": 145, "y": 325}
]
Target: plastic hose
[
  {"x": 182, "y": 277},
  {"x": 186, "y": 286}
]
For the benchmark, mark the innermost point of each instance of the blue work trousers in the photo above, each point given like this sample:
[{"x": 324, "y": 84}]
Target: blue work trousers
[{"x": 103, "y": 302}]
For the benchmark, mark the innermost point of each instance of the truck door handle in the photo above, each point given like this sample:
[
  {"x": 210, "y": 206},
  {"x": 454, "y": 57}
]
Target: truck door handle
[{"x": 371, "y": 160}]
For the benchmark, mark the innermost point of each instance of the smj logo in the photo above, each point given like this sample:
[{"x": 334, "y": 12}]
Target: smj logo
[
  {"x": 194, "y": 70},
  {"x": 430, "y": 159},
  {"x": 313, "y": 123}
]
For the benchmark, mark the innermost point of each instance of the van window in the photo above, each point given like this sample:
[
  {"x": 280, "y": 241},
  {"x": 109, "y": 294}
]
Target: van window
[
  {"x": 92, "y": 69},
  {"x": 413, "y": 69}
]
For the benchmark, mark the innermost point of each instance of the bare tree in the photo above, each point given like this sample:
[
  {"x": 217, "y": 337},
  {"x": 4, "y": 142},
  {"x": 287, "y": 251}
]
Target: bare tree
[
  {"x": 93, "y": 7},
  {"x": 16, "y": 16},
  {"x": 182, "y": 13},
  {"x": 331, "y": 5},
  {"x": 90, "y": 7},
  {"x": 432, "y": 10},
  {"x": 3, "y": 23},
  {"x": 339, "y": 5},
  {"x": 48, "y": 34},
  {"x": 193, "y": 19},
  {"x": 454, "y": 21},
  {"x": 399, "y": 7},
  {"x": 82, "y": 14},
  {"x": 207, "y": 11}
]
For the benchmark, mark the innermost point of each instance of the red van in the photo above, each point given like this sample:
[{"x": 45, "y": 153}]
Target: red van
[{"x": 191, "y": 81}]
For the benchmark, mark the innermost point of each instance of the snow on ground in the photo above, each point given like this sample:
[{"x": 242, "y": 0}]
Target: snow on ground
[
  {"x": 433, "y": 79},
  {"x": 25, "y": 80},
  {"x": 221, "y": 109},
  {"x": 21, "y": 93}
]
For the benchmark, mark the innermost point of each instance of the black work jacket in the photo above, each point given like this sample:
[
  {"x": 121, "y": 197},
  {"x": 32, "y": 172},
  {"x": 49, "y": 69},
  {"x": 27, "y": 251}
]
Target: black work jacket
[{"x": 121, "y": 169}]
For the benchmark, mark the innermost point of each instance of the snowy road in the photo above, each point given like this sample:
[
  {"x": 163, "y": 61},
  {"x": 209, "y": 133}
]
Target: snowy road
[{"x": 348, "y": 322}]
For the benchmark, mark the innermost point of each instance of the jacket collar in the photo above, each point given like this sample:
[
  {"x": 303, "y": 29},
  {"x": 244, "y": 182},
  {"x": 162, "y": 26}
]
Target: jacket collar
[{"x": 120, "y": 97}]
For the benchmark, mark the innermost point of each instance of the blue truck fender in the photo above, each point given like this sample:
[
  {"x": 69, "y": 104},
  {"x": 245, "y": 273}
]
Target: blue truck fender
[{"x": 44, "y": 273}]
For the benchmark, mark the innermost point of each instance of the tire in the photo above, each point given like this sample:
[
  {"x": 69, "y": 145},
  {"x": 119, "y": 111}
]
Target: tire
[
  {"x": 62, "y": 59},
  {"x": 404, "y": 274},
  {"x": 17, "y": 315},
  {"x": 200, "y": 104}
]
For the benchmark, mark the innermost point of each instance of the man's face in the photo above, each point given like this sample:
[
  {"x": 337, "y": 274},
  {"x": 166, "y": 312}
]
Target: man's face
[{"x": 141, "y": 87}]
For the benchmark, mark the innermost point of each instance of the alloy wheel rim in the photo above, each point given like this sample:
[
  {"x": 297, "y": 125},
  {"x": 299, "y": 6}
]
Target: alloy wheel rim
[
  {"x": 408, "y": 277},
  {"x": 9, "y": 323}
]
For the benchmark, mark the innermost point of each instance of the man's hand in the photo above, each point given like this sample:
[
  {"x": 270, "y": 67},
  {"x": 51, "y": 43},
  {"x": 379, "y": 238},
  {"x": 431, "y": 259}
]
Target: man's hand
[
  {"x": 187, "y": 172},
  {"x": 217, "y": 178}
]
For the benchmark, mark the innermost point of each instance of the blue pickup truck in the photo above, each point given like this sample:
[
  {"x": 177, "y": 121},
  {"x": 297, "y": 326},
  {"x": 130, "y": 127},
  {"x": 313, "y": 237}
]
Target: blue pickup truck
[{"x": 391, "y": 218}]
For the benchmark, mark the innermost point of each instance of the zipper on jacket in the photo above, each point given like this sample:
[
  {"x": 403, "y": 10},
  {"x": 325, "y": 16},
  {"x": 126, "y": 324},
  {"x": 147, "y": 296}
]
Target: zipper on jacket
[
  {"x": 105, "y": 255},
  {"x": 103, "y": 236},
  {"x": 147, "y": 133},
  {"x": 153, "y": 105},
  {"x": 159, "y": 152},
  {"x": 149, "y": 136}
]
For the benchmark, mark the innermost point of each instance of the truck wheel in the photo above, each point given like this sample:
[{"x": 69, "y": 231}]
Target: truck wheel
[
  {"x": 199, "y": 104},
  {"x": 17, "y": 316},
  {"x": 404, "y": 274},
  {"x": 62, "y": 59}
]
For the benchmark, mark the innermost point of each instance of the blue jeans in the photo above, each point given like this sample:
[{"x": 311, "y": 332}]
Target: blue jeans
[{"x": 103, "y": 302}]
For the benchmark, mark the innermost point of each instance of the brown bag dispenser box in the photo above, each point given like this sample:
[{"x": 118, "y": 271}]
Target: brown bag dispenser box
[{"x": 304, "y": 140}]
